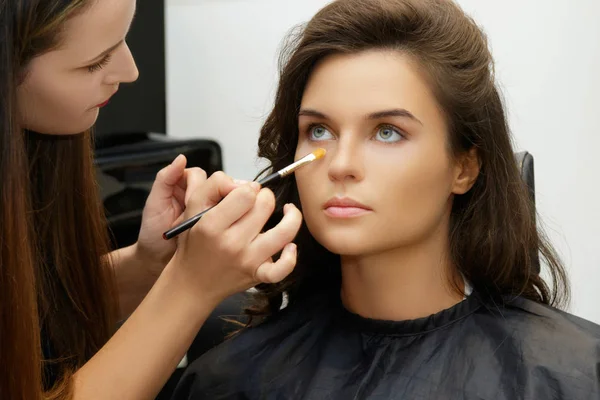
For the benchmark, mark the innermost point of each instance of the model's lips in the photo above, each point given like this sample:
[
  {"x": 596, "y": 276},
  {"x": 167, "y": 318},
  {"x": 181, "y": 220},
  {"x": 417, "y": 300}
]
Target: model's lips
[
  {"x": 344, "y": 207},
  {"x": 344, "y": 202}
]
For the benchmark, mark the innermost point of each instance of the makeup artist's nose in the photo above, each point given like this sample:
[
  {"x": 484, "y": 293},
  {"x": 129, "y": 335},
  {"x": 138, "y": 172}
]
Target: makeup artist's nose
[
  {"x": 124, "y": 69},
  {"x": 346, "y": 161}
]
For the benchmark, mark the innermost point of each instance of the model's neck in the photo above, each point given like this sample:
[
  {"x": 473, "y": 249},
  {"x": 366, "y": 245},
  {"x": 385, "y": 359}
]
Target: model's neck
[{"x": 404, "y": 283}]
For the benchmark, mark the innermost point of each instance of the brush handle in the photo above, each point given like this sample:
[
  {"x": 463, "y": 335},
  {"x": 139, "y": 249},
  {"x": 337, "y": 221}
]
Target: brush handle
[
  {"x": 271, "y": 178},
  {"x": 184, "y": 226}
]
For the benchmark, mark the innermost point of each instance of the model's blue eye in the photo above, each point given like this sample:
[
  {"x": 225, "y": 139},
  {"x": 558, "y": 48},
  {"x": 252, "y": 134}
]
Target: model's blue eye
[
  {"x": 319, "y": 132},
  {"x": 388, "y": 134}
]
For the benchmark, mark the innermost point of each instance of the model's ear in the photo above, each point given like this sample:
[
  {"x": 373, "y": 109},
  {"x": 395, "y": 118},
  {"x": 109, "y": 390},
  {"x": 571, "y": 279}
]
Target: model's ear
[{"x": 467, "y": 170}]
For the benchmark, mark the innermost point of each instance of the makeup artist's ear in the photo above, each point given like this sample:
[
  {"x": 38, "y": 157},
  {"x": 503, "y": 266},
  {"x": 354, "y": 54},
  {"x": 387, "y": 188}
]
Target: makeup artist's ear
[{"x": 467, "y": 170}]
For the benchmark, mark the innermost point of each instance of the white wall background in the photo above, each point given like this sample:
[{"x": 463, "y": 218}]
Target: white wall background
[{"x": 222, "y": 59}]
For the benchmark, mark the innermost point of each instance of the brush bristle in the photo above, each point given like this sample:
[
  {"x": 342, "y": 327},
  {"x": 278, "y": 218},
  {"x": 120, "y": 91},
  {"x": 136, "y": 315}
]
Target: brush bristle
[{"x": 319, "y": 153}]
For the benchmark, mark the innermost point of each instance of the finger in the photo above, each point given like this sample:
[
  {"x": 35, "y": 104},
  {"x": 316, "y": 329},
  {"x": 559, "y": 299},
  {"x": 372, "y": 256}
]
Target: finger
[
  {"x": 233, "y": 207},
  {"x": 192, "y": 179},
  {"x": 268, "y": 243},
  {"x": 167, "y": 178},
  {"x": 248, "y": 227},
  {"x": 183, "y": 181},
  {"x": 178, "y": 221},
  {"x": 212, "y": 191},
  {"x": 274, "y": 272},
  {"x": 179, "y": 195}
]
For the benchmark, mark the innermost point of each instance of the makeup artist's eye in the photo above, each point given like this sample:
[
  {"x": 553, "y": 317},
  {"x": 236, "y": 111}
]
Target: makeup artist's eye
[
  {"x": 388, "y": 134},
  {"x": 100, "y": 64},
  {"x": 319, "y": 132}
]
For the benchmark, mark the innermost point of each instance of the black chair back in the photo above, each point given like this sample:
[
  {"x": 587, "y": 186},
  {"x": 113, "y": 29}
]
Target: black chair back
[
  {"x": 126, "y": 172},
  {"x": 526, "y": 166}
]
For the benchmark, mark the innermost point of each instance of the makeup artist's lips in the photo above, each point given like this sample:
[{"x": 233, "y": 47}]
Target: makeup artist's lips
[
  {"x": 345, "y": 208},
  {"x": 107, "y": 100},
  {"x": 103, "y": 104}
]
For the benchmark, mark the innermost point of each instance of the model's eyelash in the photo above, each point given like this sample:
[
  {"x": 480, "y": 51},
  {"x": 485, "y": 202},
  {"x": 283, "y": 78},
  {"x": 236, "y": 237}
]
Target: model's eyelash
[
  {"x": 312, "y": 126},
  {"x": 393, "y": 128},
  {"x": 399, "y": 131}
]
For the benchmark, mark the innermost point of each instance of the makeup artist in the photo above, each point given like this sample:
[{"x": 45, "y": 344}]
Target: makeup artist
[{"x": 61, "y": 293}]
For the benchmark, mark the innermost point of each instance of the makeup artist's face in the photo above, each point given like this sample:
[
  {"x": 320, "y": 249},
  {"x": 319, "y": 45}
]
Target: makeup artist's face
[
  {"x": 387, "y": 151},
  {"x": 64, "y": 88}
]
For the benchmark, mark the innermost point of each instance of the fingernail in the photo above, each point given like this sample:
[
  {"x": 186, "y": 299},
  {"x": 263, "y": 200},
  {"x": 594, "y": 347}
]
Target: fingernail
[
  {"x": 239, "y": 182},
  {"x": 293, "y": 248},
  {"x": 177, "y": 158},
  {"x": 255, "y": 186},
  {"x": 287, "y": 207}
]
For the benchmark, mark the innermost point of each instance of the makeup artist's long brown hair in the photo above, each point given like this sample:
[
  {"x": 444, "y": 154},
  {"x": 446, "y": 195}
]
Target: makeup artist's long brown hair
[
  {"x": 493, "y": 233},
  {"x": 53, "y": 274}
]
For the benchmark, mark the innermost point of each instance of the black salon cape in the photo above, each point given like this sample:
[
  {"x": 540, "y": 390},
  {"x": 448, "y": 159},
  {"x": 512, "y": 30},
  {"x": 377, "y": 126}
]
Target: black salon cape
[{"x": 478, "y": 349}]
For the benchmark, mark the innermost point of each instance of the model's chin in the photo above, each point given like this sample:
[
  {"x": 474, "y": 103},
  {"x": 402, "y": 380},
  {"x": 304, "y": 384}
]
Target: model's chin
[{"x": 344, "y": 241}]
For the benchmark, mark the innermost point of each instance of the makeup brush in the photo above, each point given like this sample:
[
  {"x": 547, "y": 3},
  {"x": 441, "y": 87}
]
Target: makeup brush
[{"x": 282, "y": 173}]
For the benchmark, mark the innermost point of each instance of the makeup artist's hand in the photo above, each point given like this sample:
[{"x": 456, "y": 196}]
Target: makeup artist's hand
[
  {"x": 225, "y": 252},
  {"x": 164, "y": 209}
]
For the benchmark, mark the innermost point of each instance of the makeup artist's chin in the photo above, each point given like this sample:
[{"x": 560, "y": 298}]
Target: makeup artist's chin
[
  {"x": 87, "y": 121},
  {"x": 83, "y": 123}
]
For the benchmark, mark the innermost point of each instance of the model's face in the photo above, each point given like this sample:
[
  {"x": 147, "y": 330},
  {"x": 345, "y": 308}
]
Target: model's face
[
  {"x": 388, "y": 178},
  {"x": 64, "y": 89}
]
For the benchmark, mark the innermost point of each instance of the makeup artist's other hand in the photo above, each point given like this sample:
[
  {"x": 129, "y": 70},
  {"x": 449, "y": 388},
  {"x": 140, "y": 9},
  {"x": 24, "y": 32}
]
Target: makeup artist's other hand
[
  {"x": 164, "y": 209},
  {"x": 225, "y": 252}
]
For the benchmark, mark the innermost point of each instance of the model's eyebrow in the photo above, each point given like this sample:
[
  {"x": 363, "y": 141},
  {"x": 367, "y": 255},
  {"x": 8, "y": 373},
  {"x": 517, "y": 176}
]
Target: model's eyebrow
[
  {"x": 309, "y": 112},
  {"x": 395, "y": 112}
]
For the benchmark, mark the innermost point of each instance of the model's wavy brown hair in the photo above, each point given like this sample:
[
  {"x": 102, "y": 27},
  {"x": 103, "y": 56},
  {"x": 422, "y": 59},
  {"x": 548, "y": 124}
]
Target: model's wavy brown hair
[
  {"x": 53, "y": 273},
  {"x": 493, "y": 234}
]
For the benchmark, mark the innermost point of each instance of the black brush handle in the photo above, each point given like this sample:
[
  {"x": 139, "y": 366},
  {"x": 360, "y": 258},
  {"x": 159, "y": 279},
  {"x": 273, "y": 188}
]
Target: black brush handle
[
  {"x": 271, "y": 178},
  {"x": 184, "y": 226}
]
